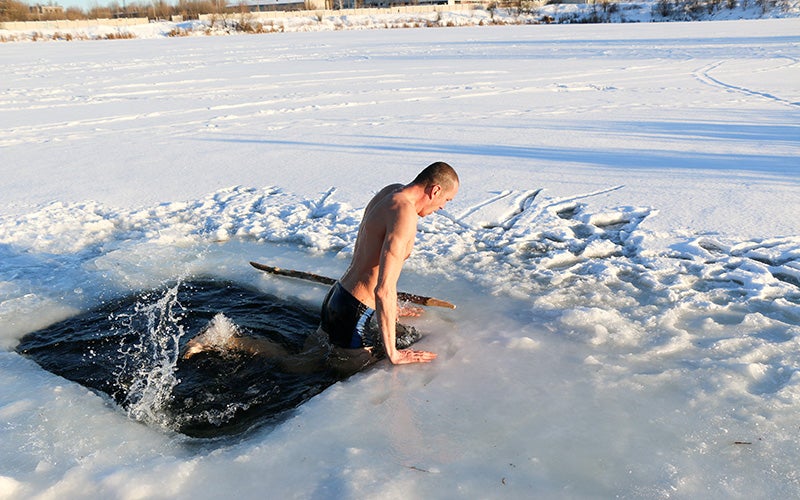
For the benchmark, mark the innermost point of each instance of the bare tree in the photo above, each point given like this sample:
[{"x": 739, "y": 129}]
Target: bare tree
[{"x": 12, "y": 10}]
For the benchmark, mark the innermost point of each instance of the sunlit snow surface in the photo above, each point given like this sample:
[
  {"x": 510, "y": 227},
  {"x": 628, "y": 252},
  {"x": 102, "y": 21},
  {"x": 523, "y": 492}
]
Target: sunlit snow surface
[{"x": 624, "y": 253}]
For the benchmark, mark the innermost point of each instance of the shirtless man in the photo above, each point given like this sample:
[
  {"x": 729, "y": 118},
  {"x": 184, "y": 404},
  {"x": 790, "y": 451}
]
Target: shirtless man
[
  {"x": 385, "y": 239},
  {"x": 344, "y": 341}
]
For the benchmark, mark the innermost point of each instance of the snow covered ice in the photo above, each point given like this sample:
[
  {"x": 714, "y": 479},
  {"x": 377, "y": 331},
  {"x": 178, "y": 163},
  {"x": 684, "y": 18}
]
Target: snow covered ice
[{"x": 624, "y": 252}]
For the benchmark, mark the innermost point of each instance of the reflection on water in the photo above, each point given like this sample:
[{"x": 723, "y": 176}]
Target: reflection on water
[{"x": 129, "y": 349}]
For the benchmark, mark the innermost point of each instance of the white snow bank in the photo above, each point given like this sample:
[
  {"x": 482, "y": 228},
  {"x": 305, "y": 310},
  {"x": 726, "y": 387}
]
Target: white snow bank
[{"x": 614, "y": 12}]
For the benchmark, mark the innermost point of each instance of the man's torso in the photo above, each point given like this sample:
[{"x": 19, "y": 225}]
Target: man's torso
[{"x": 382, "y": 211}]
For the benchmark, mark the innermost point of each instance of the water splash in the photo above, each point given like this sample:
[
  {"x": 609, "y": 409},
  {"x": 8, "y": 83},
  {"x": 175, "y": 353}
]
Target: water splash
[
  {"x": 131, "y": 349},
  {"x": 214, "y": 336},
  {"x": 148, "y": 373}
]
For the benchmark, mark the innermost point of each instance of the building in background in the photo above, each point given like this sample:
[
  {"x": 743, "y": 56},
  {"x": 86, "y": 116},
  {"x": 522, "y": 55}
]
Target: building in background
[
  {"x": 46, "y": 10},
  {"x": 270, "y": 5}
]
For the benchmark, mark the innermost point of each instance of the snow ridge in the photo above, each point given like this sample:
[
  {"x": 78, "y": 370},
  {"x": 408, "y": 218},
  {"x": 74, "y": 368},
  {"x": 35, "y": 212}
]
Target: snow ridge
[{"x": 599, "y": 277}]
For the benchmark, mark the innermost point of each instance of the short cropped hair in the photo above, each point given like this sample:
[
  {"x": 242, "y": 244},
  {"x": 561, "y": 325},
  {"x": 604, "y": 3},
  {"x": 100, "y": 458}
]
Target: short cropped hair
[{"x": 437, "y": 173}]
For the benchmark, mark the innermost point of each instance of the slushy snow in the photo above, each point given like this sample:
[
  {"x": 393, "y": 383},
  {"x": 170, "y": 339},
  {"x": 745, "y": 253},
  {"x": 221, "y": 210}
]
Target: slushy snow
[{"x": 624, "y": 253}]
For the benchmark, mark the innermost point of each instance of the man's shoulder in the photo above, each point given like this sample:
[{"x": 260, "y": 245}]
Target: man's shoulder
[
  {"x": 389, "y": 190},
  {"x": 391, "y": 197},
  {"x": 393, "y": 205}
]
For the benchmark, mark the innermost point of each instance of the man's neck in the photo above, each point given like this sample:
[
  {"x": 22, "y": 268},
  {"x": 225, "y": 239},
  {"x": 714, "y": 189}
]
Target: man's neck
[{"x": 416, "y": 195}]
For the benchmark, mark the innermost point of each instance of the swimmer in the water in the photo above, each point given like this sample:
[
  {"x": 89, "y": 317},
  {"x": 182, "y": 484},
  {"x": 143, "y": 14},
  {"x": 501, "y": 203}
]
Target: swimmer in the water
[
  {"x": 369, "y": 286},
  {"x": 347, "y": 339}
]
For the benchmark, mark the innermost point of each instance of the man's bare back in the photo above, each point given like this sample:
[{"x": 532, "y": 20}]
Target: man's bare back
[
  {"x": 361, "y": 276},
  {"x": 385, "y": 240}
]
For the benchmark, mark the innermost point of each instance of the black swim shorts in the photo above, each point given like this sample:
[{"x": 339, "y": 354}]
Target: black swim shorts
[
  {"x": 346, "y": 319},
  {"x": 348, "y": 323}
]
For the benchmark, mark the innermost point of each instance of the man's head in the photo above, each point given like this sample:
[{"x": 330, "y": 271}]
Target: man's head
[{"x": 440, "y": 182}]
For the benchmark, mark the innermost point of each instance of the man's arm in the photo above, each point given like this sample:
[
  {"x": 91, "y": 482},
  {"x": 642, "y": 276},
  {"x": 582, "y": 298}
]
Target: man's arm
[{"x": 397, "y": 244}]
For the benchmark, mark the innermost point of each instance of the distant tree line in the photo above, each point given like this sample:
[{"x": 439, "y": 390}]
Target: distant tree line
[
  {"x": 15, "y": 10},
  {"x": 687, "y": 10}
]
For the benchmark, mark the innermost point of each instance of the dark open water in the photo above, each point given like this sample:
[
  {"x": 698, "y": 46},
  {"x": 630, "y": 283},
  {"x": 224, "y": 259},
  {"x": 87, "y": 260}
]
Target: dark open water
[{"x": 128, "y": 349}]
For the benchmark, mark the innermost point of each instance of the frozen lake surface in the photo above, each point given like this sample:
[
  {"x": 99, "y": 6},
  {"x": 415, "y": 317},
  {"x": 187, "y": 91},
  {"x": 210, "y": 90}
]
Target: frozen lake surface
[{"x": 624, "y": 253}]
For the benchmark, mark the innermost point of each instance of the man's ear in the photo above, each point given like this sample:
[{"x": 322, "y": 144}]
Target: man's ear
[{"x": 435, "y": 189}]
